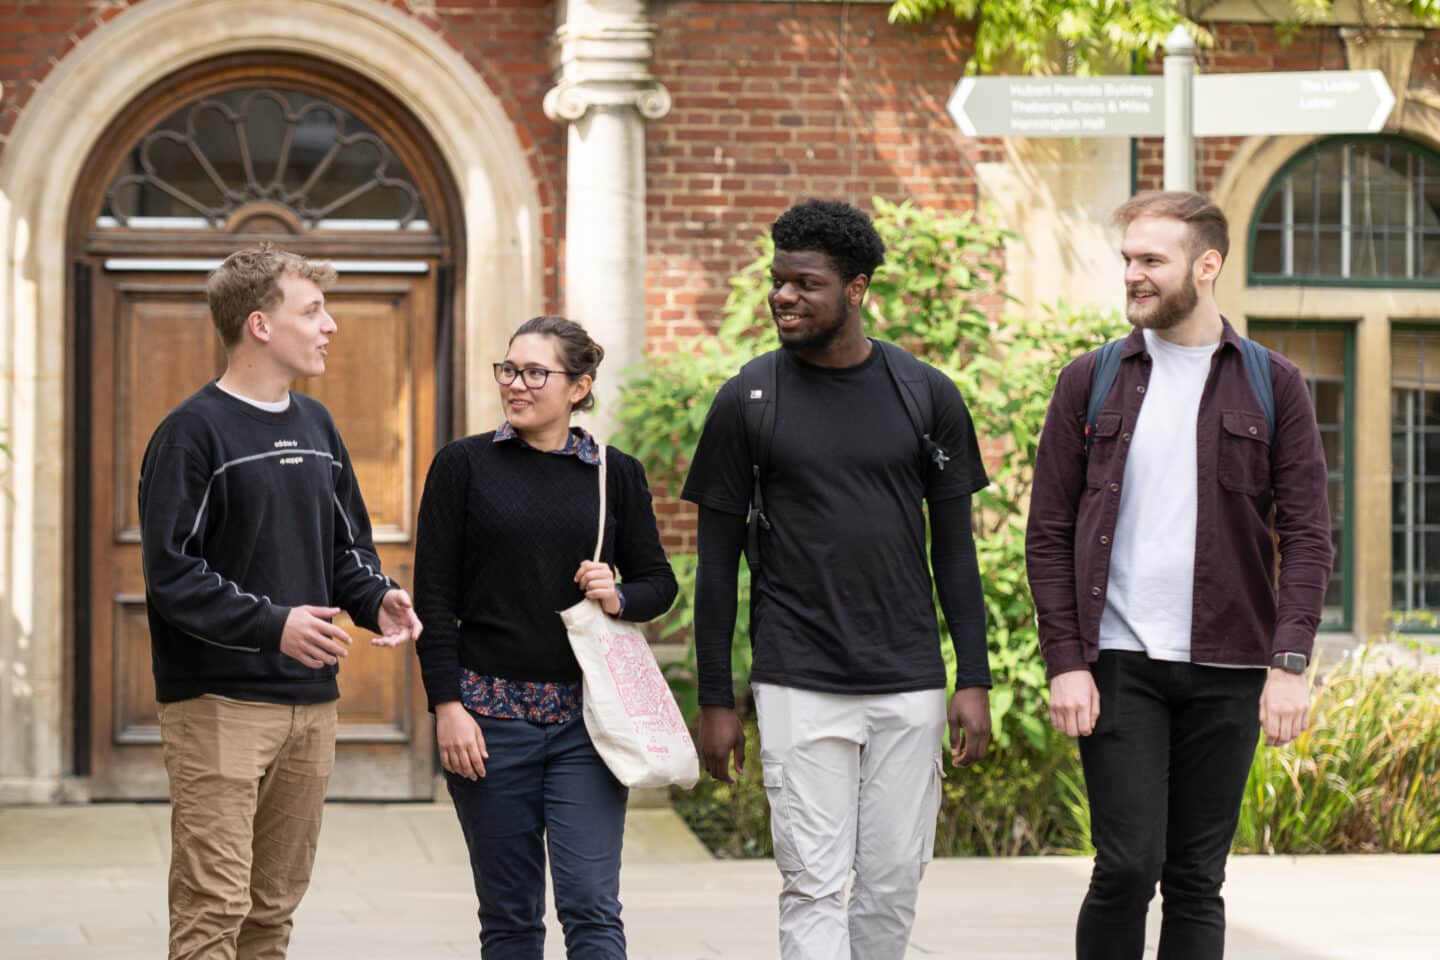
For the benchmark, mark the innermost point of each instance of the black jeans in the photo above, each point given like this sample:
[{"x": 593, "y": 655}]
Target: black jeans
[
  {"x": 1166, "y": 770},
  {"x": 544, "y": 786}
]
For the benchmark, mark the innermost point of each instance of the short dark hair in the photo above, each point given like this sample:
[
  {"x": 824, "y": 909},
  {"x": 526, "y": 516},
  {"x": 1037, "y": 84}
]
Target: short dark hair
[
  {"x": 1208, "y": 228},
  {"x": 836, "y": 229},
  {"x": 579, "y": 354}
]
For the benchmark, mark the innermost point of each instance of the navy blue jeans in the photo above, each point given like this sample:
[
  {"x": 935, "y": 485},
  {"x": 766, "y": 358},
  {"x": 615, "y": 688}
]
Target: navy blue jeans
[
  {"x": 544, "y": 786},
  {"x": 1166, "y": 770}
]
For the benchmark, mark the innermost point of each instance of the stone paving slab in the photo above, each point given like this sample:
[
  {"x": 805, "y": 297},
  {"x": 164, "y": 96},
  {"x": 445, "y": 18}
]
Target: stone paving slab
[{"x": 88, "y": 883}]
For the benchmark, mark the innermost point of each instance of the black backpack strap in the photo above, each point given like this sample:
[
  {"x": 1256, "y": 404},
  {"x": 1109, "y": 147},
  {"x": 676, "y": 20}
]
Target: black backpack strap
[
  {"x": 1257, "y": 367},
  {"x": 908, "y": 374},
  {"x": 757, "y": 400},
  {"x": 1102, "y": 378}
]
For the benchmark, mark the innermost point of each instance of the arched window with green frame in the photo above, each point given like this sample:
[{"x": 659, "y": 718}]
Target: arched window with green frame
[{"x": 1353, "y": 211}]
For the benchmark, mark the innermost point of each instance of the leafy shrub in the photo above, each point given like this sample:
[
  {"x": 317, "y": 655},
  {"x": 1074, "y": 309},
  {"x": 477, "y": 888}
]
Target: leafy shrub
[
  {"x": 1364, "y": 778},
  {"x": 937, "y": 294}
]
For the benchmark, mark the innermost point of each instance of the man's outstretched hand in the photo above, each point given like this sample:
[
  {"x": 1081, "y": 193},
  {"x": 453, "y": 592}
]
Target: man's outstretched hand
[{"x": 398, "y": 622}]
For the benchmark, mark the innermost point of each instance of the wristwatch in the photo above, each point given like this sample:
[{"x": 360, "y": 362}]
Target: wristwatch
[{"x": 1290, "y": 662}]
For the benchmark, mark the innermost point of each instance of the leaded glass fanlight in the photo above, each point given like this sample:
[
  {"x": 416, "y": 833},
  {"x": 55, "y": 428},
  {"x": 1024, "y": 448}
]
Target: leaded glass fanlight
[
  {"x": 215, "y": 156},
  {"x": 1354, "y": 211}
]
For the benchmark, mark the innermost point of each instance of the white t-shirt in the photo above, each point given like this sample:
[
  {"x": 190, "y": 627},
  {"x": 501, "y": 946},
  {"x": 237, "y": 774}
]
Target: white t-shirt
[
  {"x": 269, "y": 406},
  {"x": 1148, "y": 601}
]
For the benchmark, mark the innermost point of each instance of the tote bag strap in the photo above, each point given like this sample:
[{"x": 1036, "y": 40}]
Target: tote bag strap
[{"x": 600, "y": 536}]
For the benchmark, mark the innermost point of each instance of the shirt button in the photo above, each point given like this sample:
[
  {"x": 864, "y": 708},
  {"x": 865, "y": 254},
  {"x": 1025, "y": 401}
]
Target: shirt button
[
  {"x": 1114, "y": 488},
  {"x": 1140, "y": 389},
  {"x": 1253, "y": 431},
  {"x": 1125, "y": 437},
  {"x": 1104, "y": 539},
  {"x": 1094, "y": 591}
]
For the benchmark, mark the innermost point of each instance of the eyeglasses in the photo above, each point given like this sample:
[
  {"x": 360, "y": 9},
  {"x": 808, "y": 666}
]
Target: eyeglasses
[{"x": 534, "y": 377}]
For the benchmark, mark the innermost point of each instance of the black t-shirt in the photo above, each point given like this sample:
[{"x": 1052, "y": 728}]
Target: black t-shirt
[{"x": 843, "y": 602}]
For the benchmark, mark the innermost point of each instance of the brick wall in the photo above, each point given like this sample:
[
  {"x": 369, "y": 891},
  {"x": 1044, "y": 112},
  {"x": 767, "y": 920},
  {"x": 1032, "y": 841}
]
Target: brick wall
[
  {"x": 33, "y": 38},
  {"x": 776, "y": 102}
]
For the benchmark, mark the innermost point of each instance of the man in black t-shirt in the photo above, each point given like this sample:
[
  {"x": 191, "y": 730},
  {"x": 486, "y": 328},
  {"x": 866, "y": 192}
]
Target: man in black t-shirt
[{"x": 848, "y": 677}]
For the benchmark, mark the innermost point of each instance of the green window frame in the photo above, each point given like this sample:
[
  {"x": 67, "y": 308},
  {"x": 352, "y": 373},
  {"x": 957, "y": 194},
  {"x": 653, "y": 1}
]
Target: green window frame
[
  {"x": 1415, "y": 476},
  {"x": 1350, "y": 211},
  {"x": 1332, "y": 395}
]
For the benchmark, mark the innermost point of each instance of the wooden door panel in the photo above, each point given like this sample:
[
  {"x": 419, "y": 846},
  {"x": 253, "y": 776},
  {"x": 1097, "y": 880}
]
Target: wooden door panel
[
  {"x": 134, "y": 714},
  {"x": 162, "y": 356},
  {"x": 369, "y": 390},
  {"x": 153, "y": 345}
]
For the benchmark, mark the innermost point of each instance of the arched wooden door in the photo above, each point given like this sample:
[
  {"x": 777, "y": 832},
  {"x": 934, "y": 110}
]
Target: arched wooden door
[{"x": 219, "y": 159}]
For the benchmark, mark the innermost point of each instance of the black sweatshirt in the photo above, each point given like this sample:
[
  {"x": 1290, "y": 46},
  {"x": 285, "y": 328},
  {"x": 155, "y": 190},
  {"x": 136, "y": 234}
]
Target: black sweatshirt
[
  {"x": 503, "y": 528},
  {"x": 244, "y": 514}
]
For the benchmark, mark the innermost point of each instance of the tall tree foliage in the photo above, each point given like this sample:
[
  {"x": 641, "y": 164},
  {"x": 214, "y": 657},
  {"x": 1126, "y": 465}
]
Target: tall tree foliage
[{"x": 1093, "y": 36}]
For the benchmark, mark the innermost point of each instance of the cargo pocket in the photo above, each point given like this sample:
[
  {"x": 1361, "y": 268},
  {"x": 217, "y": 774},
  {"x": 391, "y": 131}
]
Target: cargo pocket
[
  {"x": 1244, "y": 452},
  {"x": 931, "y": 811},
  {"x": 782, "y": 821},
  {"x": 1104, "y": 448}
]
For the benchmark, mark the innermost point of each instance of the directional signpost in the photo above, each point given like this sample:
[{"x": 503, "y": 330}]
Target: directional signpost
[
  {"x": 1269, "y": 104},
  {"x": 1214, "y": 105},
  {"x": 1059, "y": 106}
]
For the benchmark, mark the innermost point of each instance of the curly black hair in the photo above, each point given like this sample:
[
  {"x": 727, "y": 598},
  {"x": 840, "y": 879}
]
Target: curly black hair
[{"x": 836, "y": 229}]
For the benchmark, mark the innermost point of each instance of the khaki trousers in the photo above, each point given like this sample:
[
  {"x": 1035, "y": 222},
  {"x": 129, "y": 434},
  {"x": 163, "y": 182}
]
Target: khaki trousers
[
  {"x": 247, "y": 789},
  {"x": 854, "y": 785}
]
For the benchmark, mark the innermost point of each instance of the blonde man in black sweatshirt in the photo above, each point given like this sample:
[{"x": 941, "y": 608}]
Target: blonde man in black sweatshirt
[{"x": 254, "y": 536}]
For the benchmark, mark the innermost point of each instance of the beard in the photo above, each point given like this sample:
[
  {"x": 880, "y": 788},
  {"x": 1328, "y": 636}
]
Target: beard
[
  {"x": 819, "y": 335},
  {"x": 1169, "y": 309}
]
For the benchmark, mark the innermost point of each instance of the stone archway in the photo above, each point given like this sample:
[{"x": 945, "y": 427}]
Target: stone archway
[{"x": 39, "y": 172}]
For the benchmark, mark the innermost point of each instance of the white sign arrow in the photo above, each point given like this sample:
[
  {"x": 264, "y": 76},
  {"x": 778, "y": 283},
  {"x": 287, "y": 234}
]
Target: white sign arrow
[
  {"x": 1225, "y": 105},
  {"x": 1304, "y": 102},
  {"x": 1121, "y": 106}
]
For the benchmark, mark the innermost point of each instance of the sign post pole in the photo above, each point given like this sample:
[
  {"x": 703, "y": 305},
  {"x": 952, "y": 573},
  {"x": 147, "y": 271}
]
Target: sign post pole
[{"x": 1179, "y": 106}]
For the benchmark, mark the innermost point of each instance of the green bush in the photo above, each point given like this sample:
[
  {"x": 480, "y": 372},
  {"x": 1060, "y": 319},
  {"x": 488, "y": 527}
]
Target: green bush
[
  {"x": 937, "y": 294},
  {"x": 1364, "y": 778}
]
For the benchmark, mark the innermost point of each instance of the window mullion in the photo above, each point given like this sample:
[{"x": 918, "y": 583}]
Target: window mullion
[{"x": 1345, "y": 212}]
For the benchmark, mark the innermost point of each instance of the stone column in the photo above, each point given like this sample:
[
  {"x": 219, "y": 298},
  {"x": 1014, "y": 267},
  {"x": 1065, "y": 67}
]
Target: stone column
[{"x": 605, "y": 92}]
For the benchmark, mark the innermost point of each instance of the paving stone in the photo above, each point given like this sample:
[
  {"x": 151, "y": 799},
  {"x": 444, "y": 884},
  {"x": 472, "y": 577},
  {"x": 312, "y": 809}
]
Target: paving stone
[{"x": 392, "y": 882}]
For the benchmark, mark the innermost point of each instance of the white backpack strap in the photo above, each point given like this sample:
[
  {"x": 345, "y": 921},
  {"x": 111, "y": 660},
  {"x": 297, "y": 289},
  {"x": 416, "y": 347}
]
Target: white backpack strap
[{"x": 600, "y": 536}]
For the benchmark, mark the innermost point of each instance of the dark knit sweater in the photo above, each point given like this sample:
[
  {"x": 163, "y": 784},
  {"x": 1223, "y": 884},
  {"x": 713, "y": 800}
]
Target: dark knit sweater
[
  {"x": 503, "y": 528},
  {"x": 244, "y": 514}
]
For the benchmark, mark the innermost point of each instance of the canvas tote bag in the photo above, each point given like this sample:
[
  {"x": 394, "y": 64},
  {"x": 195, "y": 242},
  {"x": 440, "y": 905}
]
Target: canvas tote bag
[{"x": 630, "y": 713}]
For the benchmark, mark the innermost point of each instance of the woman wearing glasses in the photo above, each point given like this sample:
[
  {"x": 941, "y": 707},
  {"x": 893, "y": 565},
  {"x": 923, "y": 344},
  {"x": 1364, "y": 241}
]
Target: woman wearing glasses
[{"x": 507, "y": 527}]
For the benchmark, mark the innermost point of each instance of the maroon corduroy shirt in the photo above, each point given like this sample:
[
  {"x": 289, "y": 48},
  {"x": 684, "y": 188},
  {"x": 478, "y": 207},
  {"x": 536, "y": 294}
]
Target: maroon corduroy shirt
[{"x": 1240, "y": 614}]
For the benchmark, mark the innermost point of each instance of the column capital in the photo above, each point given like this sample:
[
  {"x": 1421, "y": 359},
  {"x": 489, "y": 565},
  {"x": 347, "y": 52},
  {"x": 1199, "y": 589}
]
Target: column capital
[
  {"x": 602, "y": 59},
  {"x": 1391, "y": 50}
]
